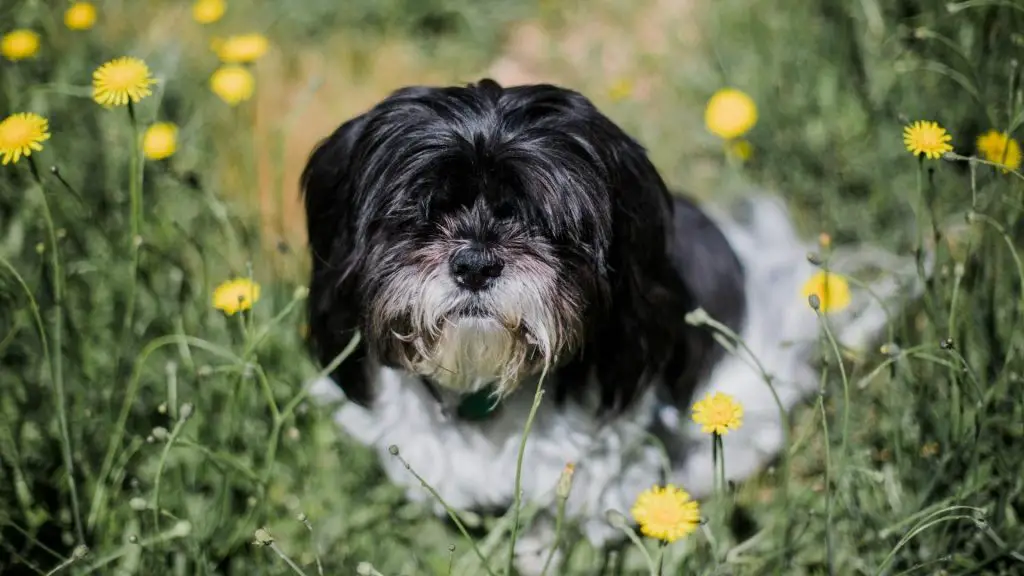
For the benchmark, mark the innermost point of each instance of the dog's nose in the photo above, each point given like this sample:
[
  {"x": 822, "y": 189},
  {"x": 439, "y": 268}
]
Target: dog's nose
[{"x": 474, "y": 267}]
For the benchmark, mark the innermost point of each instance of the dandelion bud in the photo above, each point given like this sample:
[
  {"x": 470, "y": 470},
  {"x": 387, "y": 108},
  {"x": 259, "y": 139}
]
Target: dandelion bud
[
  {"x": 958, "y": 270},
  {"x": 150, "y": 439},
  {"x": 160, "y": 433},
  {"x": 971, "y": 217},
  {"x": 204, "y": 370},
  {"x": 890, "y": 349},
  {"x": 393, "y": 450},
  {"x": 698, "y": 317},
  {"x": 565, "y": 481},
  {"x": 365, "y": 569},
  {"x": 137, "y": 504},
  {"x": 80, "y": 551},
  {"x": 814, "y": 301},
  {"x": 814, "y": 258},
  {"x": 263, "y": 537},
  {"x": 301, "y": 517},
  {"x": 137, "y": 241},
  {"x": 54, "y": 170},
  {"x": 451, "y": 547},
  {"x": 162, "y": 408},
  {"x": 40, "y": 248},
  {"x": 181, "y": 529},
  {"x": 185, "y": 412},
  {"x": 953, "y": 157},
  {"x": 980, "y": 524},
  {"x": 616, "y": 519},
  {"x": 300, "y": 293},
  {"x": 946, "y": 344},
  {"x": 825, "y": 240},
  {"x": 133, "y": 539}
]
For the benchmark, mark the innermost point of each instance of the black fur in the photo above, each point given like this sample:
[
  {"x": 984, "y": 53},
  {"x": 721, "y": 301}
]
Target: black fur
[{"x": 543, "y": 162}]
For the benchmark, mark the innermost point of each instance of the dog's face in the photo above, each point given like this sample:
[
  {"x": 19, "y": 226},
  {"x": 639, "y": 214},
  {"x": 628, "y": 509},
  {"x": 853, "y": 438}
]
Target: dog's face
[
  {"x": 476, "y": 235},
  {"x": 482, "y": 263}
]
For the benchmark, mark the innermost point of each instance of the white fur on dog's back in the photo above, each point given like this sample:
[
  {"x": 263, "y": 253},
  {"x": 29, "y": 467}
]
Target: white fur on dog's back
[
  {"x": 472, "y": 465},
  {"x": 783, "y": 332}
]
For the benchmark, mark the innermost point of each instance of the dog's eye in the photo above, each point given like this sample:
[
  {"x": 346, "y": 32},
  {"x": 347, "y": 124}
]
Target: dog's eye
[{"x": 504, "y": 210}]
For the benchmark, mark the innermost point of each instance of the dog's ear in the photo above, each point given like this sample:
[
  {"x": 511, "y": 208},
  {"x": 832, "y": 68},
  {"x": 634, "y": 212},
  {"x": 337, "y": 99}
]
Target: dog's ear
[
  {"x": 639, "y": 335},
  {"x": 335, "y": 307}
]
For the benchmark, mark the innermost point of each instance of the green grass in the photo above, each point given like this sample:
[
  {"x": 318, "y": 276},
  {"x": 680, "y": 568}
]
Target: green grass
[{"x": 137, "y": 340}]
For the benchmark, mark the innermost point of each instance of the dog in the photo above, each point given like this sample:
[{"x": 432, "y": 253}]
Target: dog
[{"x": 486, "y": 240}]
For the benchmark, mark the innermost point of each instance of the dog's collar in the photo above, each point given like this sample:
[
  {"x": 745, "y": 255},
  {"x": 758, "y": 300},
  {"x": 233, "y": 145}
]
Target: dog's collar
[
  {"x": 474, "y": 406},
  {"x": 479, "y": 405}
]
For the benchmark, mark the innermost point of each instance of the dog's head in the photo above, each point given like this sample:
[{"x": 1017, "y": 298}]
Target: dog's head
[{"x": 476, "y": 235}]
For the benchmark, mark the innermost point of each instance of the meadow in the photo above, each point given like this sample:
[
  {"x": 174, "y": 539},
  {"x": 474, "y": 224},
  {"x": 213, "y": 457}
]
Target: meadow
[{"x": 147, "y": 427}]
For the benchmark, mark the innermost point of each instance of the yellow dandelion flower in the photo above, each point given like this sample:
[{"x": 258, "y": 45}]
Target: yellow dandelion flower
[
  {"x": 236, "y": 295},
  {"x": 929, "y": 449},
  {"x": 160, "y": 141},
  {"x": 241, "y": 49},
  {"x": 825, "y": 240},
  {"x": 233, "y": 84},
  {"x": 20, "y": 134},
  {"x": 832, "y": 289},
  {"x": 730, "y": 113},
  {"x": 80, "y": 16},
  {"x": 999, "y": 148},
  {"x": 620, "y": 90},
  {"x": 718, "y": 413},
  {"x": 19, "y": 45},
  {"x": 928, "y": 138},
  {"x": 208, "y": 11},
  {"x": 666, "y": 513},
  {"x": 121, "y": 80}
]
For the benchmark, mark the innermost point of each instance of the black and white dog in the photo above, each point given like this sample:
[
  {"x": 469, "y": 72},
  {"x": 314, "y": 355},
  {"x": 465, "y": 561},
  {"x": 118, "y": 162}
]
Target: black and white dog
[{"x": 481, "y": 236}]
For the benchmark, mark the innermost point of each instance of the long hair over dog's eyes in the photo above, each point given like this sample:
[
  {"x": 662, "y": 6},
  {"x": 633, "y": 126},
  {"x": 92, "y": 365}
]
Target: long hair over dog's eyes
[{"x": 504, "y": 210}]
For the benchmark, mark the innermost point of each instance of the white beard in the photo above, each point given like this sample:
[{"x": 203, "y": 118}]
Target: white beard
[
  {"x": 517, "y": 333},
  {"x": 472, "y": 353}
]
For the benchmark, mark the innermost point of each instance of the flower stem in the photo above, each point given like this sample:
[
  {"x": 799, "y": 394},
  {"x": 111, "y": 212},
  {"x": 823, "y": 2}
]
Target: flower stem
[
  {"x": 291, "y": 563},
  {"x": 720, "y": 470},
  {"x": 518, "y": 496},
  {"x": 160, "y": 468},
  {"x": 661, "y": 557},
  {"x": 451, "y": 511},
  {"x": 828, "y": 475},
  {"x": 56, "y": 360},
  {"x": 134, "y": 239},
  {"x": 846, "y": 390},
  {"x": 559, "y": 522}
]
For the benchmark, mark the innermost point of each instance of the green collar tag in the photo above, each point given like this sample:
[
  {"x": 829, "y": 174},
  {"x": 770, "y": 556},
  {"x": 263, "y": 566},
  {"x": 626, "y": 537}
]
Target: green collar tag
[{"x": 479, "y": 405}]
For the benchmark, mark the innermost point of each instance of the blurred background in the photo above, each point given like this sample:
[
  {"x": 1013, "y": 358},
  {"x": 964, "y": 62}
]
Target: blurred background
[{"x": 99, "y": 453}]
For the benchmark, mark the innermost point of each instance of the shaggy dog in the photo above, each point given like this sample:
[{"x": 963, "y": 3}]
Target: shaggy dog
[{"x": 483, "y": 238}]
